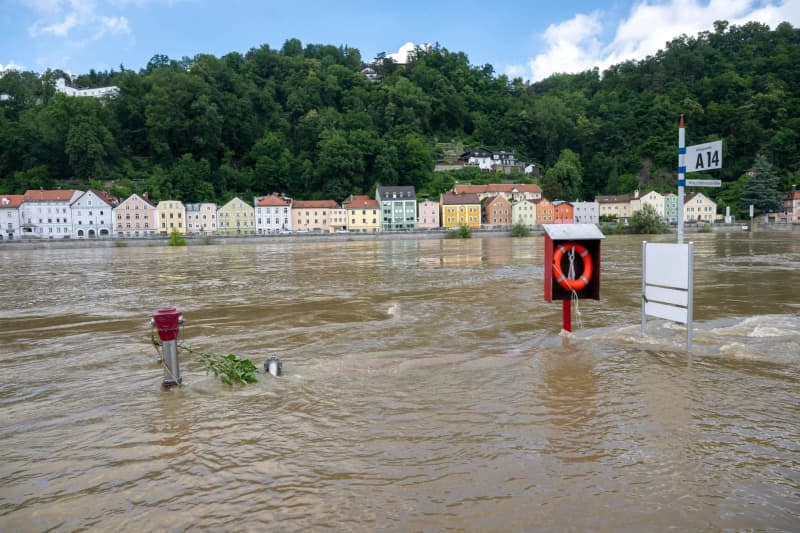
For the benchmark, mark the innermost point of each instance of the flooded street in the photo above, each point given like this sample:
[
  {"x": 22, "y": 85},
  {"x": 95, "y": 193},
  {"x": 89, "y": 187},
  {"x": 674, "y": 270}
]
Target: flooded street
[{"x": 425, "y": 388}]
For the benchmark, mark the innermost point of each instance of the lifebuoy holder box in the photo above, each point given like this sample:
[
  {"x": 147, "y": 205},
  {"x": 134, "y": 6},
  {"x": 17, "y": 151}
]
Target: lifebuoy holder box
[{"x": 586, "y": 235}]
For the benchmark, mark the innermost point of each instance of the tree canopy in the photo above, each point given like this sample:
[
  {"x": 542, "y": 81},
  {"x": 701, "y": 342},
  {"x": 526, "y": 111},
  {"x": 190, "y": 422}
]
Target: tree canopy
[{"x": 303, "y": 120}]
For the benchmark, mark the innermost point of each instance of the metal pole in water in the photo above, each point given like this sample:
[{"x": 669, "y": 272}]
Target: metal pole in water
[
  {"x": 566, "y": 314},
  {"x": 681, "y": 176},
  {"x": 167, "y": 321}
]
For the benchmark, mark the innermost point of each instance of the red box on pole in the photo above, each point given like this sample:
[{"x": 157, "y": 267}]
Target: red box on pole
[{"x": 586, "y": 237}]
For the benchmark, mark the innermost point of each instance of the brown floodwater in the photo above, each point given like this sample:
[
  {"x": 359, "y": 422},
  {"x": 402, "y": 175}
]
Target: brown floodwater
[{"x": 425, "y": 388}]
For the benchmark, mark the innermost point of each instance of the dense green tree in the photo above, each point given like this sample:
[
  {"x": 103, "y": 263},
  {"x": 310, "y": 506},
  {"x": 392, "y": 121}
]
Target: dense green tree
[
  {"x": 86, "y": 148},
  {"x": 563, "y": 180},
  {"x": 647, "y": 221},
  {"x": 761, "y": 190}
]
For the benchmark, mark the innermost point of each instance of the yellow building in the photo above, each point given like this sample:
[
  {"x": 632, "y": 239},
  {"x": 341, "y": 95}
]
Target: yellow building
[
  {"x": 237, "y": 217},
  {"x": 363, "y": 214},
  {"x": 620, "y": 206},
  {"x": 171, "y": 216},
  {"x": 697, "y": 207},
  {"x": 460, "y": 210}
]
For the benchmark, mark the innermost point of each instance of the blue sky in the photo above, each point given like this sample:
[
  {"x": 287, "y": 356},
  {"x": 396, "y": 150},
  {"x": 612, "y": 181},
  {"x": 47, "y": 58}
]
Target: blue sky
[{"x": 529, "y": 39}]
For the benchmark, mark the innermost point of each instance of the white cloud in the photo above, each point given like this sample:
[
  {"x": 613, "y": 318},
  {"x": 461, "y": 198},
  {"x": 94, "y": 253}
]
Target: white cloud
[
  {"x": 401, "y": 56},
  {"x": 575, "y": 45},
  {"x": 62, "y": 18},
  {"x": 11, "y": 65},
  {"x": 115, "y": 25}
]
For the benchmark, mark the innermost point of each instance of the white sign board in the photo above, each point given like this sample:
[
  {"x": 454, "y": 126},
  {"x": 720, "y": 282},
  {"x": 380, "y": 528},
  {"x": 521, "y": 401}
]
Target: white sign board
[
  {"x": 704, "y": 183},
  {"x": 667, "y": 283},
  {"x": 701, "y": 157}
]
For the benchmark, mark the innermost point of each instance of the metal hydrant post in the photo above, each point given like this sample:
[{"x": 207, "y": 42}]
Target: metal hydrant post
[{"x": 167, "y": 321}]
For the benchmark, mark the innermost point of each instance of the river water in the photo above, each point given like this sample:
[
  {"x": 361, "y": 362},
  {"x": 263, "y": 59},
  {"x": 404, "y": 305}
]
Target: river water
[{"x": 425, "y": 388}]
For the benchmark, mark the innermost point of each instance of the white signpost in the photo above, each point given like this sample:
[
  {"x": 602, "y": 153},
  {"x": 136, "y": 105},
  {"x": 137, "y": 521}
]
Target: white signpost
[
  {"x": 704, "y": 183},
  {"x": 668, "y": 269},
  {"x": 668, "y": 284},
  {"x": 707, "y": 156},
  {"x": 701, "y": 157}
]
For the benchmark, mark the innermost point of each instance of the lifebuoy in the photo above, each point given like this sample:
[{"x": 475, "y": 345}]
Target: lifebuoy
[{"x": 586, "y": 275}]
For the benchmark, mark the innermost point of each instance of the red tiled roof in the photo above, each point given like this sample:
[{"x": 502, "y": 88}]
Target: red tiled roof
[
  {"x": 361, "y": 202},
  {"x": 314, "y": 204},
  {"x": 11, "y": 201},
  {"x": 271, "y": 200},
  {"x": 451, "y": 198},
  {"x": 38, "y": 195},
  {"x": 462, "y": 188}
]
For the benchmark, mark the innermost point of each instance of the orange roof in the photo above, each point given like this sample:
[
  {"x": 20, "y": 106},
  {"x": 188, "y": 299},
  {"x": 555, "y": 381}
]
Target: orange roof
[
  {"x": 361, "y": 202},
  {"x": 314, "y": 204},
  {"x": 39, "y": 195},
  {"x": 271, "y": 200},
  {"x": 462, "y": 188},
  {"x": 11, "y": 201}
]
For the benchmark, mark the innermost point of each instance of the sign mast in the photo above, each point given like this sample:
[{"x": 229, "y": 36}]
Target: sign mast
[{"x": 681, "y": 176}]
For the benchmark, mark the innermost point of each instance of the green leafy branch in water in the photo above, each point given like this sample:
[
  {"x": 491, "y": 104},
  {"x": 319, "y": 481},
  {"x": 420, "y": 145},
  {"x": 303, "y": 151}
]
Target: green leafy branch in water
[{"x": 229, "y": 369}]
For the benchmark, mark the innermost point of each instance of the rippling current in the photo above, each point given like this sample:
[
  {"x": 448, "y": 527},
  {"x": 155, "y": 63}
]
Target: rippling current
[{"x": 425, "y": 388}]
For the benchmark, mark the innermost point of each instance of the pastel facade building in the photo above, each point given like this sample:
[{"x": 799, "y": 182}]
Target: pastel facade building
[
  {"x": 398, "y": 207},
  {"x": 135, "y": 217},
  {"x": 236, "y": 217},
  {"x": 545, "y": 212},
  {"x": 671, "y": 207},
  {"x": 320, "y": 216},
  {"x": 615, "y": 206},
  {"x": 47, "y": 214},
  {"x": 460, "y": 210},
  {"x": 92, "y": 215},
  {"x": 586, "y": 212},
  {"x": 562, "y": 213},
  {"x": 699, "y": 208},
  {"x": 201, "y": 218},
  {"x": 363, "y": 214},
  {"x": 496, "y": 211},
  {"x": 273, "y": 214},
  {"x": 338, "y": 218},
  {"x": 428, "y": 215},
  {"x": 171, "y": 217},
  {"x": 791, "y": 206},
  {"x": 654, "y": 200},
  {"x": 10, "y": 216},
  {"x": 523, "y": 212}
]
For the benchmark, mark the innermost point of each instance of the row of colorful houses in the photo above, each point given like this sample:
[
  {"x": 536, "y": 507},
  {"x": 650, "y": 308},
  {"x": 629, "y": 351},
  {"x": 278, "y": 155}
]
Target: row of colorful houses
[{"x": 95, "y": 214}]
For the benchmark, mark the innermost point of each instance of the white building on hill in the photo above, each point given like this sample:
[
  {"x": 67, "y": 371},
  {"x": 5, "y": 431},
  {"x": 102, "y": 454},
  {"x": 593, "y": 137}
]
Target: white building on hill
[{"x": 97, "y": 92}]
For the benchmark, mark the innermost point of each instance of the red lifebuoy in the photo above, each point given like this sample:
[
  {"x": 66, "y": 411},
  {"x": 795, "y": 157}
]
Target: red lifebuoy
[{"x": 568, "y": 283}]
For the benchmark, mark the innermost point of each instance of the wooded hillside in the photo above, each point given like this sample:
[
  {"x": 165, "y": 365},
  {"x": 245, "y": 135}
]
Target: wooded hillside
[{"x": 304, "y": 121}]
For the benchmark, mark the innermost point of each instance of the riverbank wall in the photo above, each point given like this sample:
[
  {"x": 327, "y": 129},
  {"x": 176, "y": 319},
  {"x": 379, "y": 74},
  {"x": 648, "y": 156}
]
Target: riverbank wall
[{"x": 194, "y": 240}]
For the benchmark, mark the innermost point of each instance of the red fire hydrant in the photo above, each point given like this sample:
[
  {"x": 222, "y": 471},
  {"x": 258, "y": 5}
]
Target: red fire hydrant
[{"x": 167, "y": 321}]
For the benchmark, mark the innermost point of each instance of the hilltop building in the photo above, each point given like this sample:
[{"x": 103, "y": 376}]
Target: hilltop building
[{"x": 64, "y": 87}]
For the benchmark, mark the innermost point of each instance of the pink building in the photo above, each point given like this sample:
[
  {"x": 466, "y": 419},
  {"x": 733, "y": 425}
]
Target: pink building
[
  {"x": 317, "y": 215},
  {"x": 135, "y": 217},
  {"x": 791, "y": 206},
  {"x": 428, "y": 215}
]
